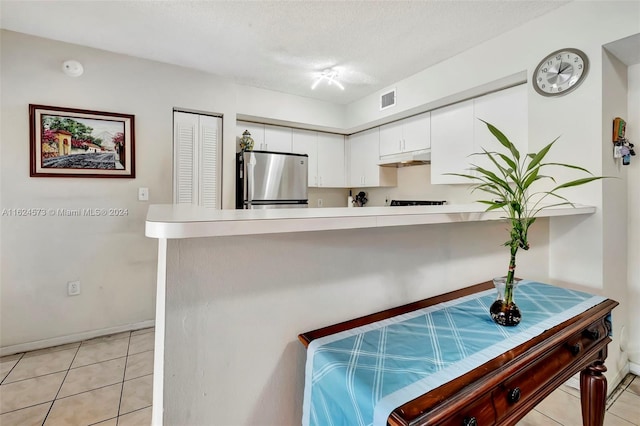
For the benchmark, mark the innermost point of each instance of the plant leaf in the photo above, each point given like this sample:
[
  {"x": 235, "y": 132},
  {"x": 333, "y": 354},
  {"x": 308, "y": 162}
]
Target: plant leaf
[
  {"x": 503, "y": 140},
  {"x": 577, "y": 182},
  {"x": 540, "y": 155},
  {"x": 567, "y": 165}
]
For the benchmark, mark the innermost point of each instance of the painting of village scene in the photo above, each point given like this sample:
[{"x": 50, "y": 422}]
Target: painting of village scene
[{"x": 69, "y": 142}]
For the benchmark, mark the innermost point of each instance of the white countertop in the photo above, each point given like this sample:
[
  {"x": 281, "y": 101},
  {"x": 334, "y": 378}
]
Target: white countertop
[{"x": 187, "y": 221}]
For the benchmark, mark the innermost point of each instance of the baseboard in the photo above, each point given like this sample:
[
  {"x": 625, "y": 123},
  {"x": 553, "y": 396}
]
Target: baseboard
[
  {"x": 634, "y": 368},
  {"x": 72, "y": 338}
]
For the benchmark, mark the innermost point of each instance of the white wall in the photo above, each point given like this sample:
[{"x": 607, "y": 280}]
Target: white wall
[
  {"x": 109, "y": 255},
  {"x": 576, "y": 252},
  {"x": 633, "y": 171},
  {"x": 231, "y": 326}
]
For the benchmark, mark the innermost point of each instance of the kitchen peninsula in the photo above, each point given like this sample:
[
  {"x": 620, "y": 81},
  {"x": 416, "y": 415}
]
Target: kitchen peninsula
[{"x": 236, "y": 287}]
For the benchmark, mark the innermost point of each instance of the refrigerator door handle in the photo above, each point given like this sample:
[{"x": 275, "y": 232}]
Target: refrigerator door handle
[{"x": 250, "y": 176}]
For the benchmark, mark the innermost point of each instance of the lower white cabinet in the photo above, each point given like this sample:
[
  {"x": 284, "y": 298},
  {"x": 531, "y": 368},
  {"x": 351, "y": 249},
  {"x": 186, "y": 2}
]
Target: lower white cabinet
[
  {"x": 364, "y": 154},
  {"x": 196, "y": 175}
]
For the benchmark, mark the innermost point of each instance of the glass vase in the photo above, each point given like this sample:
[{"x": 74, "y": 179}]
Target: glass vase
[{"x": 504, "y": 310}]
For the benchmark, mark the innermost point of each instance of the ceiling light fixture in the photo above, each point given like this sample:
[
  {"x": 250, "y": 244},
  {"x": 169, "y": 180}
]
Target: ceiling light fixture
[{"x": 331, "y": 76}]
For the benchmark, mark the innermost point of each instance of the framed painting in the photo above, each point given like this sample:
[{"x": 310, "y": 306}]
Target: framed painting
[{"x": 68, "y": 142}]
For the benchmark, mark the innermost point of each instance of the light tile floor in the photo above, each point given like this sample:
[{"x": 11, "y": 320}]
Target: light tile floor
[
  {"x": 562, "y": 407},
  {"x": 107, "y": 381}
]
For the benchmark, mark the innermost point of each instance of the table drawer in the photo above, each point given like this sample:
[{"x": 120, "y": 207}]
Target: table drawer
[
  {"x": 479, "y": 413},
  {"x": 526, "y": 386}
]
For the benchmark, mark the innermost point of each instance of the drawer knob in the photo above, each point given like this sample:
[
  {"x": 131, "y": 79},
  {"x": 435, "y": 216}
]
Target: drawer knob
[
  {"x": 469, "y": 421},
  {"x": 592, "y": 334},
  {"x": 514, "y": 395},
  {"x": 575, "y": 349}
]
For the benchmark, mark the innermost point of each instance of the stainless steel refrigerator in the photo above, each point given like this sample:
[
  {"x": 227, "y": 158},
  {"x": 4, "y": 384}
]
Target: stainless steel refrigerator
[{"x": 271, "y": 180}]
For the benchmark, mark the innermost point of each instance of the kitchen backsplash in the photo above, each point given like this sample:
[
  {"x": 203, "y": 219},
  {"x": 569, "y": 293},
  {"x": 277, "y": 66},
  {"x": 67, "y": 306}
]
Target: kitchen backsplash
[{"x": 414, "y": 183}]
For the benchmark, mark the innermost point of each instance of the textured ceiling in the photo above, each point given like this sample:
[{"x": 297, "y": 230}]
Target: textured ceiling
[{"x": 280, "y": 45}]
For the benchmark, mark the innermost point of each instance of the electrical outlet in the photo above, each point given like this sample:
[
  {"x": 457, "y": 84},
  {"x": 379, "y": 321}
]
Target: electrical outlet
[
  {"x": 143, "y": 194},
  {"x": 73, "y": 288},
  {"x": 320, "y": 202},
  {"x": 387, "y": 200}
]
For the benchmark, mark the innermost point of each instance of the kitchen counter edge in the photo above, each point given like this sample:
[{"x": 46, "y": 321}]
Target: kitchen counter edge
[{"x": 172, "y": 221}]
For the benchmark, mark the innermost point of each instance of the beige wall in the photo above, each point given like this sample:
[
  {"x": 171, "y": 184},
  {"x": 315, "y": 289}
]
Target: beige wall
[{"x": 110, "y": 256}]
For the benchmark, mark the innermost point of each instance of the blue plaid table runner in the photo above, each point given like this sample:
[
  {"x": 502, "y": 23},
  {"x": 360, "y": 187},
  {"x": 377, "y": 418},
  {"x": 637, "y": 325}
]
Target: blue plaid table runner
[{"x": 359, "y": 376}]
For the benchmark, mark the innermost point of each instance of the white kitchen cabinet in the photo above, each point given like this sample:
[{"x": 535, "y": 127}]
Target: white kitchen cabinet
[
  {"x": 451, "y": 142},
  {"x": 416, "y": 132},
  {"x": 331, "y": 160},
  {"x": 407, "y": 135},
  {"x": 196, "y": 175},
  {"x": 507, "y": 110},
  {"x": 391, "y": 138},
  {"x": 457, "y": 132},
  {"x": 256, "y": 130},
  {"x": 277, "y": 138},
  {"x": 364, "y": 154},
  {"x": 306, "y": 142}
]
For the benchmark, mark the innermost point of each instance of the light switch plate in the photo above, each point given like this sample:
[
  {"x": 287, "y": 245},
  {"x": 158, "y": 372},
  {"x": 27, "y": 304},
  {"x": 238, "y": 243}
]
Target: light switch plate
[{"x": 143, "y": 194}]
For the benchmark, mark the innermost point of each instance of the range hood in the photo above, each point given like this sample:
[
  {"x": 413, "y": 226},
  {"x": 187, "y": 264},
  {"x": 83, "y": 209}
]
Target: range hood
[{"x": 415, "y": 158}]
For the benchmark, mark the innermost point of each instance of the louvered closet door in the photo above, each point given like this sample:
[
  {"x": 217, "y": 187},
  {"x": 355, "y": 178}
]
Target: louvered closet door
[
  {"x": 209, "y": 140},
  {"x": 185, "y": 141},
  {"x": 196, "y": 159}
]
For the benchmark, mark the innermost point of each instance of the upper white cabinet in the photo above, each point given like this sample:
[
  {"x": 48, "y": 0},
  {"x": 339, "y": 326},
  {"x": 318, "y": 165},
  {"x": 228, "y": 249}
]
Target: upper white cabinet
[
  {"x": 457, "y": 132},
  {"x": 266, "y": 137},
  {"x": 326, "y": 157},
  {"x": 407, "y": 135},
  {"x": 256, "y": 130},
  {"x": 451, "y": 142},
  {"x": 277, "y": 138},
  {"x": 331, "y": 161},
  {"x": 364, "y": 154},
  {"x": 306, "y": 142},
  {"x": 507, "y": 110}
]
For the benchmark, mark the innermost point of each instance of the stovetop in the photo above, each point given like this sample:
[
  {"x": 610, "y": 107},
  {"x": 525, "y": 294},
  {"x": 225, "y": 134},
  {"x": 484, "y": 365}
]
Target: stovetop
[{"x": 416, "y": 203}]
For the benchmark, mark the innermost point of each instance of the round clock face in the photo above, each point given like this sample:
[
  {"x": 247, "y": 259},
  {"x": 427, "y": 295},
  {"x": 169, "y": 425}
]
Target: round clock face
[{"x": 560, "y": 72}]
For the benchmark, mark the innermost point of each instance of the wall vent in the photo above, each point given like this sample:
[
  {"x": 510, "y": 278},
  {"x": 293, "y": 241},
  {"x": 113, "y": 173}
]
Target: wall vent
[{"x": 388, "y": 100}]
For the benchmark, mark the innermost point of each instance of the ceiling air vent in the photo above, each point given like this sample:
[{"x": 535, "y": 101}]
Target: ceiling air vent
[{"x": 388, "y": 100}]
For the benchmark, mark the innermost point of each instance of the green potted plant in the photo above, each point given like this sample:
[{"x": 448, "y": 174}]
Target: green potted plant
[{"x": 509, "y": 187}]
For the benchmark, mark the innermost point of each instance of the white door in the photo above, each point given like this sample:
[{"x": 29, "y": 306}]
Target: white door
[{"x": 196, "y": 175}]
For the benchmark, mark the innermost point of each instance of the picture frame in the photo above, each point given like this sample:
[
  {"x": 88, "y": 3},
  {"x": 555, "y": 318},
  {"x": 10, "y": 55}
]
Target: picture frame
[{"x": 70, "y": 142}]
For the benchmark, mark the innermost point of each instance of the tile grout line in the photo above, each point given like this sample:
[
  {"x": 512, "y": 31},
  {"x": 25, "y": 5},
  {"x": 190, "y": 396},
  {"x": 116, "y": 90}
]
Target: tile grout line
[
  {"x": 124, "y": 374},
  {"x": 61, "y": 384},
  {"x": 12, "y": 368}
]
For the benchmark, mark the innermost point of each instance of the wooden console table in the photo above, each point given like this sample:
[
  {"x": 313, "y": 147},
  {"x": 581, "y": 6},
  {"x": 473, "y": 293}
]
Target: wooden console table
[{"x": 502, "y": 390}]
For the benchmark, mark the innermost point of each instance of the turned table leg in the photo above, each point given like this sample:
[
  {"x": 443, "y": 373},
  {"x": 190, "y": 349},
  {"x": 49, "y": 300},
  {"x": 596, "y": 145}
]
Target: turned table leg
[{"x": 593, "y": 394}]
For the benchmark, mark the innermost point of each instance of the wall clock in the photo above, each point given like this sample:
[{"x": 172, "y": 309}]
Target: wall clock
[{"x": 560, "y": 72}]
